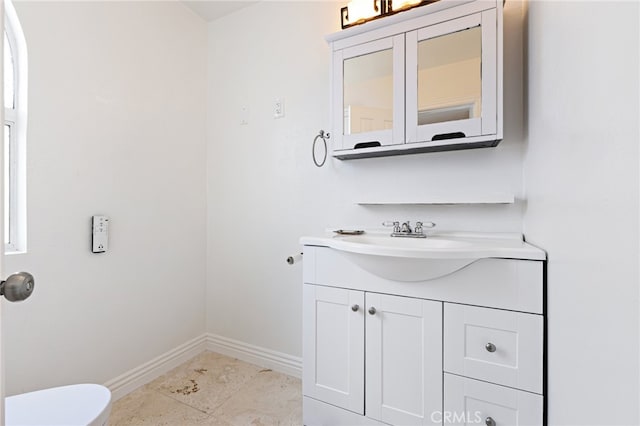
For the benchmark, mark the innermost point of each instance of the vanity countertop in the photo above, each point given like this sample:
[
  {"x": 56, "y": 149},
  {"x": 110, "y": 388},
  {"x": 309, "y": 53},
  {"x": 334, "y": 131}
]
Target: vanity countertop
[{"x": 449, "y": 245}]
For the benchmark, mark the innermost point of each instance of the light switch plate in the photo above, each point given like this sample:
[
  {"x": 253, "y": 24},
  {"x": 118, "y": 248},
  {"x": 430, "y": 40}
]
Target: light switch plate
[
  {"x": 244, "y": 115},
  {"x": 100, "y": 234}
]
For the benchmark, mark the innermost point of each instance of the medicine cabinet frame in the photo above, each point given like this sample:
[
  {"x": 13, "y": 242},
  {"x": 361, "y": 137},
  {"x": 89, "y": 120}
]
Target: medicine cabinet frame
[{"x": 401, "y": 33}]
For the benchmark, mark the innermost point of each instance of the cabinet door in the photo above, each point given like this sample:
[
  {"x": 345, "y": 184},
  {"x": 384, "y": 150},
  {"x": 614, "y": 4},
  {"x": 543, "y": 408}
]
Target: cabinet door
[
  {"x": 472, "y": 402},
  {"x": 333, "y": 346},
  {"x": 404, "y": 360},
  {"x": 368, "y": 94},
  {"x": 452, "y": 79}
]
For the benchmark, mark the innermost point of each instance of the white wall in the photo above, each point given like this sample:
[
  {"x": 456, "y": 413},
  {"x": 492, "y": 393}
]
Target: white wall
[
  {"x": 116, "y": 127},
  {"x": 581, "y": 177},
  {"x": 264, "y": 191}
]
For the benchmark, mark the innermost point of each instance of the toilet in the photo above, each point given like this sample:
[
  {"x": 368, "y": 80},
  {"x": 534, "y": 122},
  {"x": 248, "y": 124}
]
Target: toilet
[{"x": 74, "y": 405}]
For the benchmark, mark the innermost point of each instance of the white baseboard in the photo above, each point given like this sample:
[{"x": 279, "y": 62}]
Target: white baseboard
[
  {"x": 267, "y": 358},
  {"x": 149, "y": 371}
]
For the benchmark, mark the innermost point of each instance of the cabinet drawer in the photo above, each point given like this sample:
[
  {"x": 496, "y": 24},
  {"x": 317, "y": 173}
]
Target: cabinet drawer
[
  {"x": 498, "y": 346},
  {"x": 472, "y": 402}
]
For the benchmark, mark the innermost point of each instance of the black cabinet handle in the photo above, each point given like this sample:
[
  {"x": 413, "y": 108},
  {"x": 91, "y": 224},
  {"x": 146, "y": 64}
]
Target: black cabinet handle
[
  {"x": 371, "y": 144},
  {"x": 443, "y": 136}
]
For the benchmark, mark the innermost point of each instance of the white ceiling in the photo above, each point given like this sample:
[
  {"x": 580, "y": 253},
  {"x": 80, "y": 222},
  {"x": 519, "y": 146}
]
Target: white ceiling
[{"x": 210, "y": 10}]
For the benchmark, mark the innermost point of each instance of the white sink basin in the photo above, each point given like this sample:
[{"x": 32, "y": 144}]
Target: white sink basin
[{"x": 421, "y": 259}]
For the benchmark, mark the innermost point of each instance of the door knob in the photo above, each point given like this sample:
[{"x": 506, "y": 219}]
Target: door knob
[
  {"x": 17, "y": 287},
  {"x": 372, "y": 310}
]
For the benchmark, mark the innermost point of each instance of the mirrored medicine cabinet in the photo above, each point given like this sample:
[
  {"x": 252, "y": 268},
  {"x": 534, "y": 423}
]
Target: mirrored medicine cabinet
[{"x": 428, "y": 79}]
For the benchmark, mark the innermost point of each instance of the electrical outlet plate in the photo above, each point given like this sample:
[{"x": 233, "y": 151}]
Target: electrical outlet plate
[{"x": 278, "y": 108}]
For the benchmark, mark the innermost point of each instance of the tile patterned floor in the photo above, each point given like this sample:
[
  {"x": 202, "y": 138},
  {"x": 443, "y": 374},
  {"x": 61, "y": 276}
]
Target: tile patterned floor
[{"x": 213, "y": 389}]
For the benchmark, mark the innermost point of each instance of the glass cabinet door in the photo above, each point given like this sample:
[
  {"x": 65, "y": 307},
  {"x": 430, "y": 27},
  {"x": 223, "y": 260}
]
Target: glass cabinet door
[
  {"x": 451, "y": 79},
  {"x": 369, "y": 104}
]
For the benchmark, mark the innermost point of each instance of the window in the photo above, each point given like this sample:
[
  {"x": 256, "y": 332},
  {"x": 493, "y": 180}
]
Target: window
[{"x": 15, "y": 132}]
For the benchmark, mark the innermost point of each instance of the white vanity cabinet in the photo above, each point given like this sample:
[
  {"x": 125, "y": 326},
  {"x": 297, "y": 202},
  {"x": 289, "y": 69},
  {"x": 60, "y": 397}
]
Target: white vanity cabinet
[
  {"x": 428, "y": 79},
  {"x": 399, "y": 337},
  {"x": 463, "y": 348}
]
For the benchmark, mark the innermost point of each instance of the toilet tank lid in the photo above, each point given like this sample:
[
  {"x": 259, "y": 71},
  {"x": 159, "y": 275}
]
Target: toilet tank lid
[{"x": 65, "y": 405}]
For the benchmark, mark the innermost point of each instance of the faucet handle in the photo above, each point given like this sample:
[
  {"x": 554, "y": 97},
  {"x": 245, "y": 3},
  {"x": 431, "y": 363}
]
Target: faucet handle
[
  {"x": 419, "y": 225},
  {"x": 395, "y": 224}
]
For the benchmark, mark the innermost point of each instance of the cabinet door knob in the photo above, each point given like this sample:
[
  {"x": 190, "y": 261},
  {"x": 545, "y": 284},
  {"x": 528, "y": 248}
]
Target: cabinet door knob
[
  {"x": 355, "y": 308},
  {"x": 489, "y": 422},
  {"x": 372, "y": 310},
  {"x": 490, "y": 347}
]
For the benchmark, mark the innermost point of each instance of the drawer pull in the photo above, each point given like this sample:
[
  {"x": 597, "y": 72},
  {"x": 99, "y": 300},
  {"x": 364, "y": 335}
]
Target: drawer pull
[
  {"x": 355, "y": 308},
  {"x": 489, "y": 422},
  {"x": 490, "y": 347},
  {"x": 372, "y": 310}
]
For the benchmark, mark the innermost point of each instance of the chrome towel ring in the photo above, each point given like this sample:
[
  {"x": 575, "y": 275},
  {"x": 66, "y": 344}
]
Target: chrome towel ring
[{"x": 324, "y": 136}]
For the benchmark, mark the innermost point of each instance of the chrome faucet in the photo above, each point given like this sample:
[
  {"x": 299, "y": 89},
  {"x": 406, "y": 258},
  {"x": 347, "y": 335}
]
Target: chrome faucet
[{"x": 406, "y": 231}]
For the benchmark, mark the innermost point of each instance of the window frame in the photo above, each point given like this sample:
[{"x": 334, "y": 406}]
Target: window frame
[{"x": 15, "y": 156}]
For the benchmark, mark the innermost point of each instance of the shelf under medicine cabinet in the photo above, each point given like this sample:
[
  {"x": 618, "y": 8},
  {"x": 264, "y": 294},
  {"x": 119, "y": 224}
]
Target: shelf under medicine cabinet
[
  {"x": 424, "y": 80},
  {"x": 444, "y": 199}
]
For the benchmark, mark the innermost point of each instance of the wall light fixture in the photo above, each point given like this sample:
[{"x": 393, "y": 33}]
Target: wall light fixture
[{"x": 360, "y": 11}]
